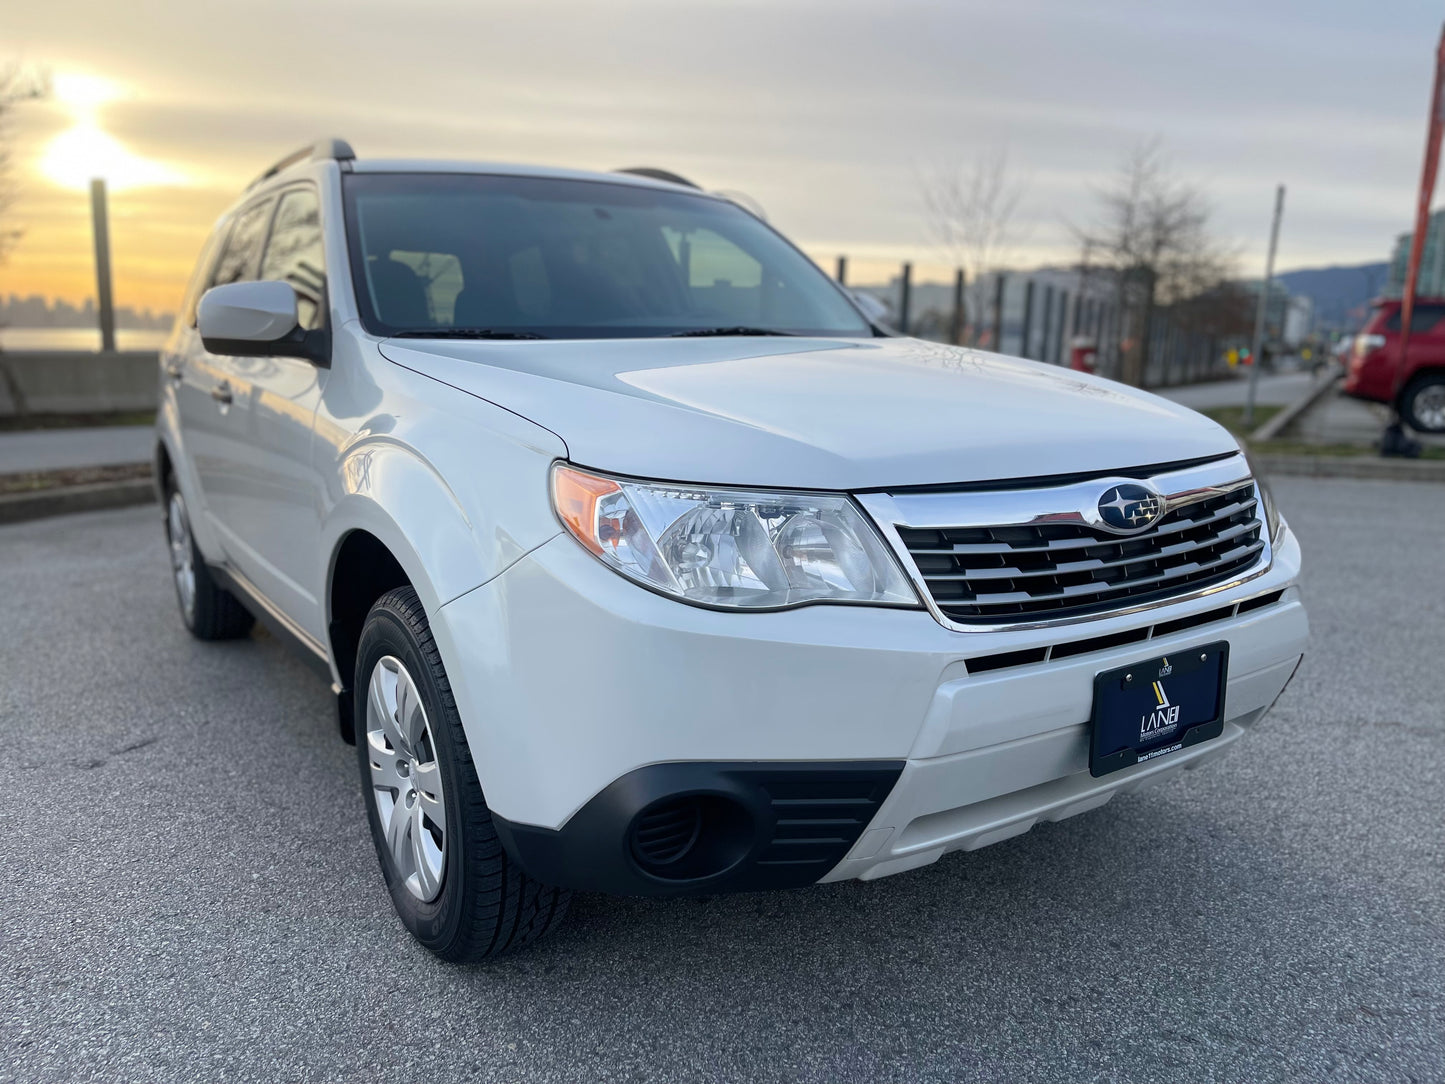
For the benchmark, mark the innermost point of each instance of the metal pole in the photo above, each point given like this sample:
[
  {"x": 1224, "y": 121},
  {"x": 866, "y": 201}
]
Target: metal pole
[
  {"x": 1065, "y": 300},
  {"x": 842, "y": 275},
  {"x": 1028, "y": 318},
  {"x": 1048, "y": 323},
  {"x": 1257, "y": 345},
  {"x": 104, "y": 305},
  {"x": 905, "y": 290},
  {"x": 998, "y": 288},
  {"x": 959, "y": 313},
  {"x": 1433, "y": 133},
  {"x": 1110, "y": 320}
]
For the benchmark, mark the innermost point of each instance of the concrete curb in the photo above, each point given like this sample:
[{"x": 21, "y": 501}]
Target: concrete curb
[
  {"x": 62, "y": 500},
  {"x": 1355, "y": 466},
  {"x": 1287, "y": 417}
]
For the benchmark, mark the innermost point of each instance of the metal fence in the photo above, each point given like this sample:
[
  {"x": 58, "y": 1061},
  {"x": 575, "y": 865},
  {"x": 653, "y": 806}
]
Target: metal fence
[{"x": 1041, "y": 315}]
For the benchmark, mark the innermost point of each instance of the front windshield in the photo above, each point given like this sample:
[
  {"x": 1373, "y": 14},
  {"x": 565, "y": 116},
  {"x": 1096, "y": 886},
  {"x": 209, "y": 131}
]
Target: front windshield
[{"x": 567, "y": 259}]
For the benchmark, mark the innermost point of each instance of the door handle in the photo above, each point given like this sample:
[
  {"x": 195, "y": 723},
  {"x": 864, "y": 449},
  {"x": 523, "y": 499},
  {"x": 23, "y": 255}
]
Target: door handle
[
  {"x": 221, "y": 393},
  {"x": 176, "y": 371}
]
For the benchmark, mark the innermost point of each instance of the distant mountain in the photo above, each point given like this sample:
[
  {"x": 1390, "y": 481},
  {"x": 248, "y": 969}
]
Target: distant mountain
[{"x": 1341, "y": 294}]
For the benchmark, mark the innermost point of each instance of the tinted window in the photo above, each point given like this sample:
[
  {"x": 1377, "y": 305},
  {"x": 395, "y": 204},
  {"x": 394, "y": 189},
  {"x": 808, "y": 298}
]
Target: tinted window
[
  {"x": 243, "y": 246},
  {"x": 294, "y": 253},
  {"x": 575, "y": 259},
  {"x": 1423, "y": 319},
  {"x": 441, "y": 279}
]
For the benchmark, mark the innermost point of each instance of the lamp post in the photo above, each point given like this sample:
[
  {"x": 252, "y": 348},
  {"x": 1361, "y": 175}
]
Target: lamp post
[
  {"x": 1257, "y": 344},
  {"x": 104, "y": 305}
]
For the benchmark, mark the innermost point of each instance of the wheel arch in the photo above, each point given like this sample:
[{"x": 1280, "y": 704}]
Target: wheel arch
[
  {"x": 395, "y": 524},
  {"x": 163, "y": 467},
  {"x": 1423, "y": 372},
  {"x": 362, "y": 570}
]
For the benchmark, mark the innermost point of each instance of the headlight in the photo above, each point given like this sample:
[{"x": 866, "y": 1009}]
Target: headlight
[
  {"x": 733, "y": 548},
  {"x": 1266, "y": 498}
]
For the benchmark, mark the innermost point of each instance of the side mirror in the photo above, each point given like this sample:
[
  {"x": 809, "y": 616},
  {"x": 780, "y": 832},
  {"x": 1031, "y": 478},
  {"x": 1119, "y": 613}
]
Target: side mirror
[{"x": 257, "y": 319}]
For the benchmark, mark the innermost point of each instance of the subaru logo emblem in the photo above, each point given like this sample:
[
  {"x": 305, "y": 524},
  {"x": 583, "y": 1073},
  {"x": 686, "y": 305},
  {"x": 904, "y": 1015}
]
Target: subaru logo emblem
[{"x": 1130, "y": 507}]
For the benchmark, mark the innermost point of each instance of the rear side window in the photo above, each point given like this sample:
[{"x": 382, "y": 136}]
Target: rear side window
[
  {"x": 243, "y": 247},
  {"x": 1423, "y": 319},
  {"x": 199, "y": 278},
  {"x": 294, "y": 253}
]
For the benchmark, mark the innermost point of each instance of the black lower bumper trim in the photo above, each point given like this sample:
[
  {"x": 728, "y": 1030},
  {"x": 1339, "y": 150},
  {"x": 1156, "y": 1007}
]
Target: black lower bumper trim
[{"x": 757, "y": 825}]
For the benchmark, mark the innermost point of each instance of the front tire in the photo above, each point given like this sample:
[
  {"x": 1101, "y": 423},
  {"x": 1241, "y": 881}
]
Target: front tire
[
  {"x": 452, "y": 883},
  {"x": 1422, "y": 404}
]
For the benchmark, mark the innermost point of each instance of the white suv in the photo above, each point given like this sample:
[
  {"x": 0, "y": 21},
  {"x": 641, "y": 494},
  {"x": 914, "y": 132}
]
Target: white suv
[{"x": 641, "y": 561}]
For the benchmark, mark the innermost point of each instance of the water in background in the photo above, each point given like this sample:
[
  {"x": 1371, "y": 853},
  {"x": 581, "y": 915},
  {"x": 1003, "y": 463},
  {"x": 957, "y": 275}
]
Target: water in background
[{"x": 76, "y": 338}]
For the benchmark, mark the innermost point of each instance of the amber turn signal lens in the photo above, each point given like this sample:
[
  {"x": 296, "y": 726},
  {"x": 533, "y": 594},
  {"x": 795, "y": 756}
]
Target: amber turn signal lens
[{"x": 575, "y": 496}]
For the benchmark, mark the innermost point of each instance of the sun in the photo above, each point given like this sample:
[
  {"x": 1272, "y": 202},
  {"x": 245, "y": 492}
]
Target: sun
[{"x": 85, "y": 150}]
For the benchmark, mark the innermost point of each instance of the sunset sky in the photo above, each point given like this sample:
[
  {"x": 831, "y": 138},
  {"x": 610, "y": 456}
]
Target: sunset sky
[{"x": 825, "y": 111}]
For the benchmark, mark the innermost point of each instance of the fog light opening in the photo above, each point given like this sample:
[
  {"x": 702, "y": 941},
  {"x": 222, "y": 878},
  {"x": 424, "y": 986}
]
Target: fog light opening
[{"x": 691, "y": 837}]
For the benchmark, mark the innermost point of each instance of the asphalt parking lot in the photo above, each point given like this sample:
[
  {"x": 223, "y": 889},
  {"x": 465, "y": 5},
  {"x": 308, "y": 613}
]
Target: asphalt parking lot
[{"x": 190, "y": 892}]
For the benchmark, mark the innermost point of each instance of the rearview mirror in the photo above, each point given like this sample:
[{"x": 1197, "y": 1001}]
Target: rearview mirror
[{"x": 257, "y": 319}]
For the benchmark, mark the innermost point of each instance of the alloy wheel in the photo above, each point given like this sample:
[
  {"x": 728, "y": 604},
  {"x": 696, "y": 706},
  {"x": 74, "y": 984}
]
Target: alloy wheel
[
  {"x": 1429, "y": 407},
  {"x": 405, "y": 778},
  {"x": 178, "y": 529}
]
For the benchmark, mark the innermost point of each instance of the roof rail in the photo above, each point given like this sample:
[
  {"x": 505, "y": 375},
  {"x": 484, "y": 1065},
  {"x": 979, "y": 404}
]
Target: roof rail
[
  {"x": 659, "y": 175},
  {"x": 336, "y": 149}
]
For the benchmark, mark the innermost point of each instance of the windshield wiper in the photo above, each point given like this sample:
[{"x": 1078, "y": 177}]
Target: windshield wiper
[
  {"x": 719, "y": 331},
  {"x": 463, "y": 333}
]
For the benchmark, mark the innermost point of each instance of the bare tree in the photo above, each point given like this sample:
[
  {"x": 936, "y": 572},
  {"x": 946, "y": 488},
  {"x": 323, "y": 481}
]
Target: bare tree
[
  {"x": 1153, "y": 234},
  {"x": 16, "y": 85},
  {"x": 970, "y": 213}
]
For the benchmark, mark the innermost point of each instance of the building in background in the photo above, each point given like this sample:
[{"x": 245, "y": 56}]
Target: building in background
[
  {"x": 1432, "y": 261},
  {"x": 1276, "y": 310},
  {"x": 1299, "y": 319}
]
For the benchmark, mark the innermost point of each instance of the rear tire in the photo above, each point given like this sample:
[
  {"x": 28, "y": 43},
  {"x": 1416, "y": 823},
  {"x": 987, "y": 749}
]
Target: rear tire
[
  {"x": 209, "y": 611},
  {"x": 452, "y": 883},
  {"x": 1422, "y": 403}
]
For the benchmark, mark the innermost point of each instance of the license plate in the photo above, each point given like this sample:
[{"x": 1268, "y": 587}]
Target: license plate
[{"x": 1158, "y": 706}]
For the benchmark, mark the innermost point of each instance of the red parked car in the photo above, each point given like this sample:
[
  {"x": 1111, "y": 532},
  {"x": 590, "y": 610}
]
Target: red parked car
[{"x": 1418, "y": 392}]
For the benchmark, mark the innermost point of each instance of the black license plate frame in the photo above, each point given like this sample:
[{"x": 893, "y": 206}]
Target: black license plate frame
[{"x": 1130, "y": 722}]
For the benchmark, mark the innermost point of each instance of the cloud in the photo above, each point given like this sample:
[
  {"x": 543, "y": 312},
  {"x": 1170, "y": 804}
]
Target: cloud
[{"x": 823, "y": 111}]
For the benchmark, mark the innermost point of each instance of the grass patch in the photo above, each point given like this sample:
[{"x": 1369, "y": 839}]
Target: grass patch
[
  {"x": 12, "y": 424},
  {"x": 33, "y": 481},
  {"x": 1232, "y": 417}
]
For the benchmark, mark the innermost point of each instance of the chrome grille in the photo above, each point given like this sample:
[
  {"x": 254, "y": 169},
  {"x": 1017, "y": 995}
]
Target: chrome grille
[{"x": 1047, "y": 571}]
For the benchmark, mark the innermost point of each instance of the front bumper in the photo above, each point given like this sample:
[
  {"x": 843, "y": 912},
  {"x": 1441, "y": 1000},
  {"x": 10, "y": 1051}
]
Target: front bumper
[{"x": 587, "y": 700}]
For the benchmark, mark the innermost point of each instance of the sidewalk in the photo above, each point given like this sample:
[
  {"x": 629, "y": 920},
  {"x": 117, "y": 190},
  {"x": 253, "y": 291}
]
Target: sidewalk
[
  {"x": 65, "y": 449},
  {"x": 1275, "y": 389}
]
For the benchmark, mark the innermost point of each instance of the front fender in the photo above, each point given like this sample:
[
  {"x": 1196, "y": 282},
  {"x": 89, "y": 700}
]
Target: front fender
[{"x": 391, "y": 493}]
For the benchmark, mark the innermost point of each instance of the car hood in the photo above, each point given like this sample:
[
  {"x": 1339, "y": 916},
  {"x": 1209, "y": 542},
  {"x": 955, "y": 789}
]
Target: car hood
[{"x": 816, "y": 413}]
